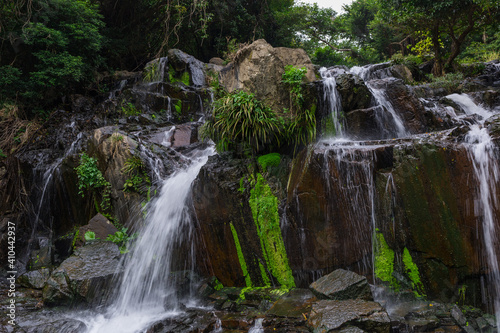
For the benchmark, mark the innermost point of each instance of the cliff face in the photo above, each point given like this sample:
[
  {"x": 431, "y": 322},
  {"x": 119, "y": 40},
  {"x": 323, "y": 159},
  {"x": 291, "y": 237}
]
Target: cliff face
[{"x": 400, "y": 208}]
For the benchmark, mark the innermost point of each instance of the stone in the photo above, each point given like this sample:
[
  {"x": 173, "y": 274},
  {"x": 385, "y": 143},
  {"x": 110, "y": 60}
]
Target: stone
[
  {"x": 342, "y": 285},
  {"x": 34, "y": 279},
  {"x": 216, "y": 61},
  {"x": 296, "y": 304},
  {"x": 183, "y": 62},
  {"x": 457, "y": 314},
  {"x": 258, "y": 68},
  {"x": 329, "y": 315},
  {"x": 406, "y": 105},
  {"x": 99, "y": 225},
  {"x": 353, "y": 91},
  {"x": 84, "y": 276},
  {"x": 362, "y": 124}
]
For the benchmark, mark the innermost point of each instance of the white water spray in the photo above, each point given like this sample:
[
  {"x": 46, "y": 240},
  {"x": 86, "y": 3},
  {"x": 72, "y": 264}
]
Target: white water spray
[{"x": 146, "y": 294}]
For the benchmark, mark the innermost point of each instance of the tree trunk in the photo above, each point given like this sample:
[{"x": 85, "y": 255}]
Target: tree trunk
[{"x": 437, "y": 70}]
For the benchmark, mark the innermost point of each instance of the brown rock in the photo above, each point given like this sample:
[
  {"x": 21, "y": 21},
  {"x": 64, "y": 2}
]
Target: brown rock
[{"x": 99, "y": 225}]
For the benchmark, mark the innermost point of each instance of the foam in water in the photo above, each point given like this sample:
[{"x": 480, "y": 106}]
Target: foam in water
[
  {"x": 468, "y": 106},
  {"x": 145, "y": 293}
]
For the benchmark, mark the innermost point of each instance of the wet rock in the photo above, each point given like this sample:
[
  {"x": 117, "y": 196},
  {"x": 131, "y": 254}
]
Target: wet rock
[
  {"x": 342, "y": 285},
  {"x": 406, "y": 105},
  {"x": 182, "y": 62},
  {"x": 34, "y": 279},
  {"x": 258, "y": 67},
  {"x": 364, "y": 124},
  {"x": 353, "y": 91},
  {"x": 58, "y": 326},
  {"x": 84, "y": 276},
  {"x": 216, "y": 61},
  {"x": 99, "y": 225},
  {"x": 296, "y": 304},
  {"x": 332, "y": 315}
]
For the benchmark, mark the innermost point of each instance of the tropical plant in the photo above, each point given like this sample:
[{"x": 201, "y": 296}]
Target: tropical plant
[
  {"x": 90, "y": 236},
  {"x": 90, "y": 179},
  {"x": 292, "y": 78},
  {"x": 241, "y": 119},
  {"x": 138, "y": 180}
]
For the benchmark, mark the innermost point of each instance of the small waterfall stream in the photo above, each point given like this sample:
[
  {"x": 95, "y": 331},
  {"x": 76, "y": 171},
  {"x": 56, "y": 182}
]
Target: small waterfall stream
[
  {"x": 483, "y": 155},
  {"x": 144, "y": 294}
]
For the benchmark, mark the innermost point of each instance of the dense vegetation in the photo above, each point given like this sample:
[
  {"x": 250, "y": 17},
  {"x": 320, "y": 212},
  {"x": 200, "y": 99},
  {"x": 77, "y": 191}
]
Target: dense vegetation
[{"x": 51, "y": 48}]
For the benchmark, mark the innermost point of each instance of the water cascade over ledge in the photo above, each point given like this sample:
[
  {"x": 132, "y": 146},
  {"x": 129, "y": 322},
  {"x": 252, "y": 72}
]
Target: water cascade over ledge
[{"x": 145, "y": 293}]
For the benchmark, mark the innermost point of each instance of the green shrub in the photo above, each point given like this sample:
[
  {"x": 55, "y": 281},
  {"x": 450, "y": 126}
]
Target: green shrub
[
  {"x": 138, "y": 180},
  {"x": 129, "y": 109},
  {"x": 90, "y": 179},
  {"x": 292, "y": 78},
  {"x": 449, "y": 81},
  {"x": 241, "y": 119}
]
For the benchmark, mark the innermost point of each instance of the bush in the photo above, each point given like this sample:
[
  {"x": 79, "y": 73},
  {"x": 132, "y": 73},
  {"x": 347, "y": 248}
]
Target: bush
[
  {"x": 90, "y": 179},
  {"x": 240, "y": 119}
]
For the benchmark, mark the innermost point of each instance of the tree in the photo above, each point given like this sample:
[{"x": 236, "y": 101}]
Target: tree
[{"x": 451, "y": 20}]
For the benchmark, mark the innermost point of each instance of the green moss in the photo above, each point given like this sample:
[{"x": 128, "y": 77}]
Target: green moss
[
  {"x": 272, "y": 159},
  {"x": 384, "y": 261},
  {"x": 77, "y": 233},
  {"x": 263, "y": 273},
  {"x": 264, "y": 207},
  {"x": 412, "y": 271},
  {"x": 241, "y": 258},
  {"x": 173, "y": 76},
  {"x": 178, "y": 108}
]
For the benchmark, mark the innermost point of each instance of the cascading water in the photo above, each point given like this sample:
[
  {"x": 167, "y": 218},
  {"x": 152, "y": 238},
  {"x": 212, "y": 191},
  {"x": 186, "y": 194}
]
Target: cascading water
[
  {"x": 332, "y": 100},
  {"x": 369, "y": 73},
  {"x": 482, "y": 153},
  {"x": 146, "y": 293}
]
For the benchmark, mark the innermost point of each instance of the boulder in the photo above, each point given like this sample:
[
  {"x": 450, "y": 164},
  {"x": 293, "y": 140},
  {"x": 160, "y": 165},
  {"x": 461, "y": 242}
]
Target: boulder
[
  {"x": 353, "y": 91},
  {"x": 34, "y": 279},
  {"x": 99, "y": 225},
  {"x": 84, "y": 276},
  {"x": 327, "y": 316},
  {"x": 342, "y": 285},
  {"x": 258, "y": 69},
  {"x": 363, "y": 124},
  {"x": 182, "y": 62}
]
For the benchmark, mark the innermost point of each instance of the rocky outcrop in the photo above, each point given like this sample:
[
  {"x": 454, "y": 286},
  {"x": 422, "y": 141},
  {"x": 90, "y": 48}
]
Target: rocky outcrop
[
  {"x": 353, "y": 91},
  {"x": 258, "y": 67},
  {"x": 342, "y": 285},
  {"x": 328, "y": 316},
  {"x": 83, "y": 276}
]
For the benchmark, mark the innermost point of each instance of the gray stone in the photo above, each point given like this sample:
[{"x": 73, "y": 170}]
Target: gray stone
[
  {"x": 332, "y": 315},
  {"x": 457, "y": 314},
  {"x": 34, "y": 279},
  {"x": 83, "y": 276},
  {"x": 342, "y": 285},
  {"x": 99, "y": 225},
  {"x": 353, "y": 91}
]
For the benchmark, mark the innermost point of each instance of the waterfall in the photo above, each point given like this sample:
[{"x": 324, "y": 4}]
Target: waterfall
[
  {"x": 481, "y": 150},
  {"x": 332, "y": 100},
  {"x": 379, "y": 72},
  {"x": 146, "y": 293}
]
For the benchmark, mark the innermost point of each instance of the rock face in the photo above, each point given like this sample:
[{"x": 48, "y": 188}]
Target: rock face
[
  {"x": 34, "y": 279},
  {"x": 353, "y": 91},
  {"x": 258, "y": 68},
  {"x": 328, "y": 316},
  {"x": 342, "y": 285},
  {"x": 99, "y": 225},
  {"x": 83, "y": 276}
]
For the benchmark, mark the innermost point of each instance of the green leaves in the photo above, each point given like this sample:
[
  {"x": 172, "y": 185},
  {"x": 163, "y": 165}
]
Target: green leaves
[
  {"x": 121, "y": 238},
  {"x": 240, "y": 119},
  {"x": 90, "y": 236},
  {"x": 89, "y": 176}
]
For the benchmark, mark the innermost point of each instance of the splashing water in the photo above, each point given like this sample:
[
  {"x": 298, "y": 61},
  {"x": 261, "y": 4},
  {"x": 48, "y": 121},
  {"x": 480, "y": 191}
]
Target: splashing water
[{"x": 145, "y": 293}]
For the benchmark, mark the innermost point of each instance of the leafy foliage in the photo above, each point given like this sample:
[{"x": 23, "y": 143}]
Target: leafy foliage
[
  {"x": 90, "y": 235},
  {"x": 138, "y": 180},
  {"x": 121, "y": 238},
  {"x": 292, "y": 78},
  {"x": 240, "y": 119}
]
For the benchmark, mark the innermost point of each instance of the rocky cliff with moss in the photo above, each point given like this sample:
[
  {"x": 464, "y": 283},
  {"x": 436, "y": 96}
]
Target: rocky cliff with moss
[{"x": 364, "y": 169}]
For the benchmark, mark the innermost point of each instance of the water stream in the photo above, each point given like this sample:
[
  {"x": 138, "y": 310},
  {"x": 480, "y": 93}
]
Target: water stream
[
  {"x": 482, "y": 152},
  {"x": 145, "y": 294}
]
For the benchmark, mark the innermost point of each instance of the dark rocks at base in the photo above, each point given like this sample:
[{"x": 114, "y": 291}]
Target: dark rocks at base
[
  {"x": 84, "y": 276},
  {"x": 342, "y": 285},
  {"x": 328, "y": 315}
]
